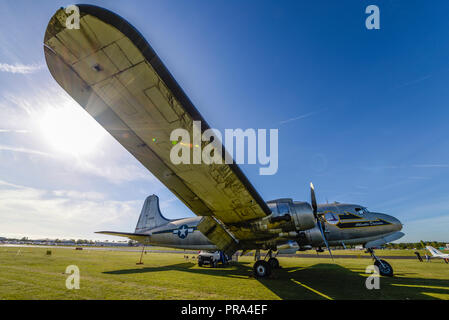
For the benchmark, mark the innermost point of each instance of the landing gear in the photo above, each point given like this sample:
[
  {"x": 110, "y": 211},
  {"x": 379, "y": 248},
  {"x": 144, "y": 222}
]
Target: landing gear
[
  {"x": 262, "y": 269},
  {"x": 274, "y": 263},
  {"x": 385, "y": 269}
]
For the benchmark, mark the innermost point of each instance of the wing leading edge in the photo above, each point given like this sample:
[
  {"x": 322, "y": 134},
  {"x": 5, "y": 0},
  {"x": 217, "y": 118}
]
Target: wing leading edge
[{"x": 114, "y": 74}]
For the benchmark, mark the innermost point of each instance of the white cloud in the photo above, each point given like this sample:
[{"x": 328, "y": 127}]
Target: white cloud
[
  {"x": 79, "y": 195},
  {"x": 20, "y": 68},
  {"x": 39, "y": 213},
  {"x": 303, "y": 116},
  {"x": 24, "y": 150},
  {"x": 114, "y": 172},
  {"x": 14, "y": 131}
]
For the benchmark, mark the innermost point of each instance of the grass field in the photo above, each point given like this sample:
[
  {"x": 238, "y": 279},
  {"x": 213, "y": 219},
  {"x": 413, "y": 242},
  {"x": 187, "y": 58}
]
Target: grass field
[{"x": 28, "y": 273}]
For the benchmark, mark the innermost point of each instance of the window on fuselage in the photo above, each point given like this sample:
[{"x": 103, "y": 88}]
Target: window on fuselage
[{"x": 283, "y": 208}]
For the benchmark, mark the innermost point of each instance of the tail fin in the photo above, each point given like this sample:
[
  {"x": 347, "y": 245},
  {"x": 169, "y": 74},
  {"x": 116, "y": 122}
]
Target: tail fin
[
  {"x": 150, "y": 216},
  {"x": 434, "y": 251}
]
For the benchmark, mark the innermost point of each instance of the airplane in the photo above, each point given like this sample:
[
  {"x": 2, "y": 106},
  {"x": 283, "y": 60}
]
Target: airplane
[
  {"x": 113, "y": 73},
  {"x": 438, "y": 254}
]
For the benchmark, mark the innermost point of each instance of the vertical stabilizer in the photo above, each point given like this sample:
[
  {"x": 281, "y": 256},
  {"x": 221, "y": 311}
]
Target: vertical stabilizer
[{"x": 151, "y": 216}]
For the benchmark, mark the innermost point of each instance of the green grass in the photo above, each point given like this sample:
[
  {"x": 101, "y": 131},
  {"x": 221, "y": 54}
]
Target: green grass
[
  {"x": 31, "y": 274},
  {"x": 380, "y": 253}
]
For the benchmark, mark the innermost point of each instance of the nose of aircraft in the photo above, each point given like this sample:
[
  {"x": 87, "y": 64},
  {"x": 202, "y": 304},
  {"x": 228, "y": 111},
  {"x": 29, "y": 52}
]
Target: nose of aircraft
[{"x": 394, "y": 221}]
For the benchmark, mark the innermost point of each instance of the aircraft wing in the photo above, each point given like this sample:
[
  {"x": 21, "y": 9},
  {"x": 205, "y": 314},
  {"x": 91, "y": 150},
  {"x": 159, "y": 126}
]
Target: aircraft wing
[{"x": 113, "y": 73}]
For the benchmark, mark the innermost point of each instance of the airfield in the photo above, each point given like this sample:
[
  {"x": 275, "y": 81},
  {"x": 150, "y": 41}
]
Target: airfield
[{"x": 29, "y": 273}]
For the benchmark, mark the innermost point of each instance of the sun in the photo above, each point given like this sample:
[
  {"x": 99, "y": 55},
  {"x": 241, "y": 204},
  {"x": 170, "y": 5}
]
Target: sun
[{"x": 69, "y": 129}]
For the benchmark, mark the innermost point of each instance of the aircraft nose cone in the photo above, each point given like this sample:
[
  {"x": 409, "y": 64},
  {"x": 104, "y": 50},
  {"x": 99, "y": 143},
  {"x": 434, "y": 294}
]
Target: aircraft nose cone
[{"x": 394, "y": 221}]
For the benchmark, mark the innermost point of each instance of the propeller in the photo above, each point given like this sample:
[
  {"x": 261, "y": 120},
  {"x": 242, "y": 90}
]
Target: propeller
[{"x": 319, "y": 222}]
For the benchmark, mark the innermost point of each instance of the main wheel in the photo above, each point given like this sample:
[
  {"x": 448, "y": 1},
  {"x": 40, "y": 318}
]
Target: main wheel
[
  {"x": 274, "y": 263},
  {"x": 262, "y": 269},
  {"x": 385, "y": 269}
]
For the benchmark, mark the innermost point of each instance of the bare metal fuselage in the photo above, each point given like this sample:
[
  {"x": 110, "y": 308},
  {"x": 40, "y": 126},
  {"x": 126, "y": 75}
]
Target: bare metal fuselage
[{"x": 347, "y": 228}]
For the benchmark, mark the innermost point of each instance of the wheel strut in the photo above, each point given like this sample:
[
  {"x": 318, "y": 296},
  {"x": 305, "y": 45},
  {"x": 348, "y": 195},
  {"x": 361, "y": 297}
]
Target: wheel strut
[
  {"x": 385, "y": 269},
  {"x": 269, "y": 254},
  {"x": 257, "y": 255},
  {"x": 375, "y": 258}
]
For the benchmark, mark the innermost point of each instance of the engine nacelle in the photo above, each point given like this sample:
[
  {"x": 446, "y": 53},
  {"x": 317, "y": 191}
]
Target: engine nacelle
[
  {"x": 303, "y": 215},
  {"x": 311, "y": 237},
  {"x": 291, "y": 215}
]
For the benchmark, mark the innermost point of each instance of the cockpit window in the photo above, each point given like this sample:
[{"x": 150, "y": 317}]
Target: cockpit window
[
  {"x": 273, "y": 207},
  {"x": 283, "y": 208},
  {"x": 361, "y": 210}
]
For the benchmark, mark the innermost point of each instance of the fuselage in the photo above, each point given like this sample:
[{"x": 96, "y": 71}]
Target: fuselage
[{"x": 345, "y": 224}]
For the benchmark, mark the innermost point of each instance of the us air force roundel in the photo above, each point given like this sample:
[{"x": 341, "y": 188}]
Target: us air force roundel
[{"x": 183, "y": 231}]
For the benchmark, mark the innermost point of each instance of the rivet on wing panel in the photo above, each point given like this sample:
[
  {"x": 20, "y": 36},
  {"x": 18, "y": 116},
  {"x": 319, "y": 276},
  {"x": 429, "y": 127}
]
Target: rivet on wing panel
[{"x": 86, "y": 70}]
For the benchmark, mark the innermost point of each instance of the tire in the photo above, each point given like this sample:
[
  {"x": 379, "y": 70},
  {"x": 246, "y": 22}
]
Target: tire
[
  {"x": 200, "y": 263},
  {"x": 262, "y": 269},
  {"x": 274, "y": 263},
  {"x": 385, "y": 269},
  {"x": 213, "y": 264}
]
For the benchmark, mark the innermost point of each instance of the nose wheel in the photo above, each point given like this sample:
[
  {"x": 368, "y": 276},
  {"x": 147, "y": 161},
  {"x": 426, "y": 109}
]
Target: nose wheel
[{"x": 385, "y": 269}]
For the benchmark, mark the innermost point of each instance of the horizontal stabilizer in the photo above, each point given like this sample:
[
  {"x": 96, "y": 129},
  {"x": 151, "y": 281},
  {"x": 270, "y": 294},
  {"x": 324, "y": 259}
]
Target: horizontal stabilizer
[{"x": 133, "y": 236}]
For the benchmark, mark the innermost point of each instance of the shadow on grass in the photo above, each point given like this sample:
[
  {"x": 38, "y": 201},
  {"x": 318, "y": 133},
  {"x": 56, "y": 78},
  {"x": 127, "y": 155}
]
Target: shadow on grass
[{"x": 319, "y": 281}]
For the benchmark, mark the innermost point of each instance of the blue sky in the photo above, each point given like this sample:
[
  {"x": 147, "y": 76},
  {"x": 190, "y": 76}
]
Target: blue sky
[{"x": 361, "y": 113}]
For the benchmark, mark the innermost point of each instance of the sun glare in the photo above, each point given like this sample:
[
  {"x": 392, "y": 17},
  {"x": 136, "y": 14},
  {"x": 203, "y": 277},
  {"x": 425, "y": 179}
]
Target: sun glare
[{"x": 69, "y": 129}]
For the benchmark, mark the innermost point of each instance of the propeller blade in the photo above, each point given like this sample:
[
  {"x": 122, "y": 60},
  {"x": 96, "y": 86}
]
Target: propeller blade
[
  {"x": 318, "y": 220},
  {"x": 313, "y": 200},
  {"x": 325, "y": 240}
]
